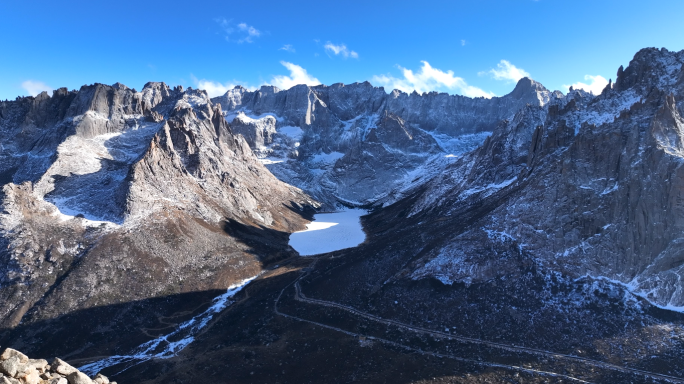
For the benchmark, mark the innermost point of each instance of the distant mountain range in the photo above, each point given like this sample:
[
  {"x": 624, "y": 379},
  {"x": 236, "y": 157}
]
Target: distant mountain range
[{"x": 538, "y": 220}]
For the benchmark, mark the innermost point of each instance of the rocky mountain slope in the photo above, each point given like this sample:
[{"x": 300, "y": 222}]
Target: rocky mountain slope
[
  {"x": 517, "y": 262},
  {"x": 529, "y": 238},
  {"x": 111, "y": 195},
  {"x": 355, "y": 143},
  {"x": 594, "y": 187}
]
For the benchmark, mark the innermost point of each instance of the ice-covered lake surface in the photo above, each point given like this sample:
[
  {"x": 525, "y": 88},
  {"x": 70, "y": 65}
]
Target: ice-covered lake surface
[{"x": 330, "y": 232}]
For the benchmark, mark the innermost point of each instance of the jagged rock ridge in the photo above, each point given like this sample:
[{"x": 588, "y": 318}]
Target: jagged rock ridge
[
  {"x": 355, "y": 143},
  {"x": 111, "y": 195},
  {"x": 593, "y": 187}
]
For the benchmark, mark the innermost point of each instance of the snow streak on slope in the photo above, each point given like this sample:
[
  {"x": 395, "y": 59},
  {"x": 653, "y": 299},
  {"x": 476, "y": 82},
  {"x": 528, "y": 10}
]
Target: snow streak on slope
[
  {"x": 458, "y": 145},
  {"x": 169, "y": 345}
]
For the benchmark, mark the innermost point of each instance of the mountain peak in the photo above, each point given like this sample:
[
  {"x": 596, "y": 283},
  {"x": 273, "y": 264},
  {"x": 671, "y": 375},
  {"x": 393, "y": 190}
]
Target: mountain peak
[{"x": 525, "y": 86}]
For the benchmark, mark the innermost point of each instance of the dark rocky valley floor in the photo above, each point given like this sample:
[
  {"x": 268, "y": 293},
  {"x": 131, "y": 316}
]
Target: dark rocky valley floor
[{"x": 531, "y": 238}]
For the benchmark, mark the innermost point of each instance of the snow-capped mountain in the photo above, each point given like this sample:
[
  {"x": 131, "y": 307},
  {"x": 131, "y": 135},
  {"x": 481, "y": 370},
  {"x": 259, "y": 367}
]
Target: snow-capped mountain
[
  {"x": 591, "y": 187},
  {"x": 532, "y": 235},
  {"x": 111, "y": 195},
  {"x": 355, "y": 143}
]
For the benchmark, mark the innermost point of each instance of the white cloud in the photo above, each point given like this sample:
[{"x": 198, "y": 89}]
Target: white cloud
[
  {"x": 595, "y": 86},
  {"x": 35, "y": 87},
  {"x": 463, "y": 42},
  {"x": 340, "y": 50},
  {"x": 215, "y": 88},
  {"x": 288, "y": 48},
  {"x": 429, "y": 79},
  {"x": 298, "y": 75},
  {"x": 250, "y": 31},
  {"x": 506, "y": 71},
  {"x": 243, "y": 33}
]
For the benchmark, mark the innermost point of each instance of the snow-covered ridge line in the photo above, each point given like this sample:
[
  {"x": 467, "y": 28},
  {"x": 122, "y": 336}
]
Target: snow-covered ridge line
[{"x": 383, "y": 137}]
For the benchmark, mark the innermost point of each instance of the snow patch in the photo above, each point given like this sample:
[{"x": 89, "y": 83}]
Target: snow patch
[
  {"x": 271, "y": 160},
  {"x": 326, "y": 158},
  {"x": 169, "y": 345},
  {"x": 193, "y": 99},
  {"x": 340, "y": 230},
  {"x": 87, "y": 173},
  {"x": 248, "y": 115},
  {"x": 631, "y": 287},
  {"x": 293, "y": 132},
  {"x": 63, "y": 213},
  {"x": 490, "y": 188},
  {"x": 459, "y": 145},
  {"x": 606, "y": 110}
]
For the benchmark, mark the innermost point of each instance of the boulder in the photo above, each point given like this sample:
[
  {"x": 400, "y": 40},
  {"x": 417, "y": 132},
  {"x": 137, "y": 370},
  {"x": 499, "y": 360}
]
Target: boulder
[
  {"x": 79, "y": 378},
  {"x": 8, "y": 380},
  {"x": 11, "y": 366},
  {"x": 29, "y": 376},
  {"x": 9, "y": 352},
  {"x": 62, "y": 367},
  {"x": 41, "y": 365}
]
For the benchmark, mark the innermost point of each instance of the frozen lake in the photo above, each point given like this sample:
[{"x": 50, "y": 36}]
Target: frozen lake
[{"x": 330, "y": 232}]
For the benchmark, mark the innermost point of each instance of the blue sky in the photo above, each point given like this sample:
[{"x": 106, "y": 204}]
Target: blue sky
[{"x": 476, "y": 48}]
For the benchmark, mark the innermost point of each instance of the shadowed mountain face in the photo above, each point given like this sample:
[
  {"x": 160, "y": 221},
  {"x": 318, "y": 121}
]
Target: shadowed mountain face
[{"x": 526, "y": 238}]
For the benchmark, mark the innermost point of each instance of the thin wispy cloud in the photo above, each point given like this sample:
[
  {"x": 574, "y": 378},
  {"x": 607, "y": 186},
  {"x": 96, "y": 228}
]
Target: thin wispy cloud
[
  {"x": 238, "y": 33},
  {"x": 595, "y": 84},
  {"x": 340, "y": 50},
  {"x": 506, "y": 71},
  {"x": 429, "y": 79},
  {"x": 298, "y": 75},
  {"x": 34, "y": 88},
  {"x": 288, "y": 48},
  {"x": 463, "y": 43},
  {"x": 250, "y": 31}
]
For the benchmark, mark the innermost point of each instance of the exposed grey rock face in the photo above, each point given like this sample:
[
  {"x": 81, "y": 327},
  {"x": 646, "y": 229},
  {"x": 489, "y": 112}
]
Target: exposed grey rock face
[
  {"x": 258, "y": 133},
  {"x": 593, "y": 187},
  {"x": 111, "y": 195},
  {"x": 356, "y": 143}
]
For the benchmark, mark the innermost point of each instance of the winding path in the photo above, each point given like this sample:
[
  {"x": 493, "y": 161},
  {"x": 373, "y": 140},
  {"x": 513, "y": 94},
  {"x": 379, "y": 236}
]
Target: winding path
[{"x": 299, "y": 296}]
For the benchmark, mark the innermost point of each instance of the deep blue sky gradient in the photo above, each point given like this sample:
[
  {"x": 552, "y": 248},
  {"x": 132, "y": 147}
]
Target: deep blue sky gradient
[{"x": 558, "y": 42}]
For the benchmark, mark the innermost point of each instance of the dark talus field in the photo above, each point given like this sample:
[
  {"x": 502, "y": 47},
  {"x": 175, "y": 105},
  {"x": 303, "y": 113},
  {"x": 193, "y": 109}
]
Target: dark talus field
[{"x": 531, "y": 238}]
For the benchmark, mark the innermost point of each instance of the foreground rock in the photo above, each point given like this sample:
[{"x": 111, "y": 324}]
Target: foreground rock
[{"x": 17, "y": 368}]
